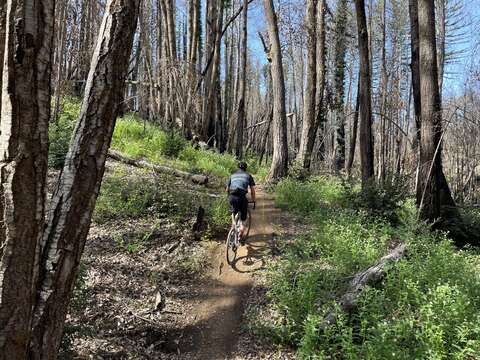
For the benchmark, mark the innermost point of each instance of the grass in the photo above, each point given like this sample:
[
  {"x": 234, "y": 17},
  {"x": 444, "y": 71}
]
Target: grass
[
  {"x": 425, "y": 308},
  {"x": 128, "y": 193},
  {"x": 141, "y": 139},
  {"x": 61, "y": 131},
  {"x": 138, "y": 139}
]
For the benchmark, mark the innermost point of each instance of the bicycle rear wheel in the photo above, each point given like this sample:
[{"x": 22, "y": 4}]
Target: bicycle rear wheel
[{"x": 231, "y": 247}]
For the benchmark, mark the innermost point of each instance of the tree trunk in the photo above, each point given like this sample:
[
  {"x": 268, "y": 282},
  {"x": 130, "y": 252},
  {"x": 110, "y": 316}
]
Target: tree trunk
[
  {"x": 62, "y": 38},
  {"x": 441, "y": 6},
  {"x": 384, "y": 133},
  {"x": 308, "y": 127},
  {"x": 25, "y": 115},
  {"x": 339, "y": 79},
  {"x": 3, "y": 24},
  {"x": 75, "y": 194},
  {"x": 353, "y": 135},
  {"x": 433, "y": 194},
  {"x": 240, "y": 116},
  {"x": 365, "y": 97},
  {"x": 279, "y": 166},
  {"x": 415, "y": 67},
  {"x": 320, "y": 111}
]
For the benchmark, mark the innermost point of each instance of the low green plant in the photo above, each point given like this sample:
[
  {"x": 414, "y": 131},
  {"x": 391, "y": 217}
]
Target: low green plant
[
  {"x": 131, "y": 246},
  {"x": 133, "y": 195},
  {"x": 426, "y": 307},
  {"x": 379, "y": 200},
  {"x": 61, "y": 130},
  {"x": 219, "y": 213},
  {"x": 305, "y": 197}
]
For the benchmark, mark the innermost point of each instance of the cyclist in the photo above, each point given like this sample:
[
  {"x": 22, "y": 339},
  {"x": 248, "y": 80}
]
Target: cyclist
[{"x": 237, "y": 188}]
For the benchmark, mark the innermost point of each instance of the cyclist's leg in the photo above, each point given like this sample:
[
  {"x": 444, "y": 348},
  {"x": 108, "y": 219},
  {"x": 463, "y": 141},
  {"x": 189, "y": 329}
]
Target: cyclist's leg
[
  {"x": 243, "y": 208},
  {"x": 234, "y": 206}
]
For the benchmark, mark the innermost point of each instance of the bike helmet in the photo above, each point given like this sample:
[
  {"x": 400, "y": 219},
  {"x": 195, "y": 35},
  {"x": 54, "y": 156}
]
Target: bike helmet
[{"x": 242, "y": 165}]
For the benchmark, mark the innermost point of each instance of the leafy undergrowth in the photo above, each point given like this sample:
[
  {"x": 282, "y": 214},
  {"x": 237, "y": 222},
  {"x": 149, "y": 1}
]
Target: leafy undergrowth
[
  {"x": 141, "y": 139},
  {"x": 426, "y": 307},
  {"x": 138, "y": 139}
]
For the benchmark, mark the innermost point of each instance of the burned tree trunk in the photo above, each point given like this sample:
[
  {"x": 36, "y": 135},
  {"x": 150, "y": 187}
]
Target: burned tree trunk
[
  {"x": 415, "y": 67},
  {"x": 304, "y": 157},
  {"x": 279, "y": 166},
  {"x": 434, "y": 198},
  {"x": 339, "y": 79},
  {"x": 365, "y": 97},
  {"x": 25, "y": 115},
  {"x": 241, "y": 116},
  {"x": 75, "y": 194}
]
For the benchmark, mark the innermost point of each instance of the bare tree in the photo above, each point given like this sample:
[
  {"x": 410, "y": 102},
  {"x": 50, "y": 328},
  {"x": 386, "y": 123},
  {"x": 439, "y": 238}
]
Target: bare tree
[
  {"x": 339, "y": 79},
  {"x": 74, "y": 197},
  {"x": 308, "y": 127},
  {"x": 25, "y": 115},
  {"x": 279, "y": 166},
  {"x": 434, "y": 198},
  {"x": 365, "y": 97},
  {"x": 240, "y": 113}
]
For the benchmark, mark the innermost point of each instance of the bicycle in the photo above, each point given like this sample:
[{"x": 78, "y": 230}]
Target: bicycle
[{"x": 233, "y": 237}]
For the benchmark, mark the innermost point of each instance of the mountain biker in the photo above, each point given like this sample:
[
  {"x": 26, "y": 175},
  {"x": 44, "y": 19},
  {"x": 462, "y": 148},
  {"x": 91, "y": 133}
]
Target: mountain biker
[{"x": 237, "y": 188}]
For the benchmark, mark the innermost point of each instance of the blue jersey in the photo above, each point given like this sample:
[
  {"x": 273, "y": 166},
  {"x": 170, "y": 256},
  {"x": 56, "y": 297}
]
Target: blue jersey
[{"x": 239, "y": 182}]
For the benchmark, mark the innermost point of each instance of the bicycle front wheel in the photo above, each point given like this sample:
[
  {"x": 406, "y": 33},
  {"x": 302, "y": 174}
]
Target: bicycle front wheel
[{"x": 231, "y": 247}]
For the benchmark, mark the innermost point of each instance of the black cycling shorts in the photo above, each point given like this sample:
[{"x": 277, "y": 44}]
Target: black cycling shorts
[{"x": 239, "y": 203}]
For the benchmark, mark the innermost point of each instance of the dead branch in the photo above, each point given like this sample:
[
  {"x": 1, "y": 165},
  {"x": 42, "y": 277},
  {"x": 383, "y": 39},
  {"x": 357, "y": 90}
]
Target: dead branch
[
  {"x": 369, "y": 277},
  {"x": 195, "y": 178}
]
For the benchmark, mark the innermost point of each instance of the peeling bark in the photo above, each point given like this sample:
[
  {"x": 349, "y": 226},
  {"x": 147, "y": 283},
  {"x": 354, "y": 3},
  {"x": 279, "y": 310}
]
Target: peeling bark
[
  {"x": 279, "y": 166},
  {"x": 74, "y": 197},
  {"x": 365, "y": 97},
  {"x": 25, "y": 115}
]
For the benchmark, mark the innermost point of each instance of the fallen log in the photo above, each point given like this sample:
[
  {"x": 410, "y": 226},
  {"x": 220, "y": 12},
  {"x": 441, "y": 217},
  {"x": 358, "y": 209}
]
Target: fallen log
[
  {"x": 371, "y": 276},
  {"x": 195, "y": 178}
]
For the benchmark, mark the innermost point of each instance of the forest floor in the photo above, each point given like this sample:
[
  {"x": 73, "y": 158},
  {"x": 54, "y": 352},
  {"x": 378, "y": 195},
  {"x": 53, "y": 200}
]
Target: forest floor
[{"x": 149, "y": 291}]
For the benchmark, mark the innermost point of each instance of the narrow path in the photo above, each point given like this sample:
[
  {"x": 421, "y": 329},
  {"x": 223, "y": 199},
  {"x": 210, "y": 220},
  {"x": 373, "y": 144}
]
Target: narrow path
[{"x": 219, "y": 314}]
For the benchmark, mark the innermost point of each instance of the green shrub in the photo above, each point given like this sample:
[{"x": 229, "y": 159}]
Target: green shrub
[
  {"x": 173, "y": 144},
  {"x": 305, "y": 197},
  {"x": 219, "y": 213},
  {"x": 379, "y": 200},
  {"x": 61, "y": 131},
  {"x": 133, "y": 196},
  {"x": 426, "y": 307},
  {"x": 137, "y": 139}
]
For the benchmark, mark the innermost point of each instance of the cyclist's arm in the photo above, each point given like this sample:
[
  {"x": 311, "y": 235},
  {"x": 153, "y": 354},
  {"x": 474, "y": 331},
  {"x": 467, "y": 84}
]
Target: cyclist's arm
[
  {"x": 252, "y": 192},
  {"x": 227, "y": 187}
]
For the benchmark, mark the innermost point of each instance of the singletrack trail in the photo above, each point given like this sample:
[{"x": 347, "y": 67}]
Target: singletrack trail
[{"x": 219, "y": 313}]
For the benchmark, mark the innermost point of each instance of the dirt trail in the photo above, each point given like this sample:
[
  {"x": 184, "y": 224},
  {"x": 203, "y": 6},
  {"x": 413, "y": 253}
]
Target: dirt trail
[{"x": 219, "y": 313}]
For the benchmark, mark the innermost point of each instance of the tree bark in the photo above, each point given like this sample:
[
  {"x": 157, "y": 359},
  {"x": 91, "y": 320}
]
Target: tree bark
[
  {"x": 320, "y": 110},
  {"x": 415, "y": 67},
  {"x": 74, "y": 197},
  {"x": 434, "y": 198},
  {"x": 353, "y": 135},
  {"x": 241, "y": 116},
  {"x": 365, "y": 97},
  {"x": 308, "y": 126},
  {"x": 339, "y": 79},
  {"x": 279, "y": 166},
  {"x": 25, "y": 114},
  {"x": 3, "y": 24}
]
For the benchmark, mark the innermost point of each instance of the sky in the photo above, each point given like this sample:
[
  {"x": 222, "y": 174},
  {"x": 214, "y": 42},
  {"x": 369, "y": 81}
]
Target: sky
[{"x": 455, "y": 73}]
